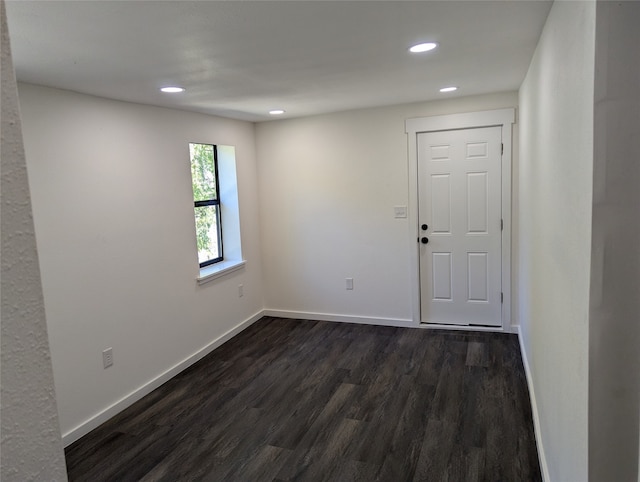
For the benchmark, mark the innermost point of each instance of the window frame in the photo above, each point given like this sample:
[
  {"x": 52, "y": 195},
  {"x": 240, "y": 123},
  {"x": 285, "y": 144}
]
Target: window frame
[{"x": 211, "y": 202}]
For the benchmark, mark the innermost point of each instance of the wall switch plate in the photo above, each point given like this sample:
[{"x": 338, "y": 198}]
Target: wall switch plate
[
  {"x": 107, "y": 357},
  {"x": 349, "y": 283},
  {"x": 400, "y": 211},
  {"x": 240, "y": 291}
]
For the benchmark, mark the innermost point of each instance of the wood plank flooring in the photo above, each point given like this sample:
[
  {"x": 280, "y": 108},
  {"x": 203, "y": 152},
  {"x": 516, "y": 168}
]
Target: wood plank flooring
[{"x": 317, "y": 401}]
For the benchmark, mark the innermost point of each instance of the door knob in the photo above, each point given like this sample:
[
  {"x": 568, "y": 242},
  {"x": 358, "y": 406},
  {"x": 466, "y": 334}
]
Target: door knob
[
  {"x": 424, "y": 227},
  {"x": 424, "y": 240}
]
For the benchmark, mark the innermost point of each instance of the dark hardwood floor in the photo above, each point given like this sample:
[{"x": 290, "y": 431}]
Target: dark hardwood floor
[{"x": 315, "y": 401}]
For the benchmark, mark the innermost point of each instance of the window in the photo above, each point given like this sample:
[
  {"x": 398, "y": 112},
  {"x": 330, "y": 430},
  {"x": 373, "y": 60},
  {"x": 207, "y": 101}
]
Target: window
[
  {"x": 217, "y": 210},
  {"x": 206, "y": 191}
]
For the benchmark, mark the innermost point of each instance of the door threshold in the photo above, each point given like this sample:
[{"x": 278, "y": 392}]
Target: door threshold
[{"x": 443, "y": 326}]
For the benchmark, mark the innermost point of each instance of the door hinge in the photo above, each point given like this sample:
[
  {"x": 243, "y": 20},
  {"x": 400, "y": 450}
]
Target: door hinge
[
  {"x": 501, "y": 148},
  {"x": 501, "y": 297}
]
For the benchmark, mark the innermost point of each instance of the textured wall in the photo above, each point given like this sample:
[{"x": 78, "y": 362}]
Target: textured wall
[
  {"x": 555, "y": 182},
  {"x": 31, "y": 443}
]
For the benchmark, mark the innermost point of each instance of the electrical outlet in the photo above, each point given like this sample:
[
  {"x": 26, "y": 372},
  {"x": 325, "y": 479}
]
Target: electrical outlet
[
  {"x": 240, "y": 291},
  {"x": 349, "y": 283},
  {"x": 107, "y": 357}
]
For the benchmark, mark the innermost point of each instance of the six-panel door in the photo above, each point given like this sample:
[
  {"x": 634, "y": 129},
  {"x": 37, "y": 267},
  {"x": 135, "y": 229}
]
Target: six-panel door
[{"x": 459, "y": 176}]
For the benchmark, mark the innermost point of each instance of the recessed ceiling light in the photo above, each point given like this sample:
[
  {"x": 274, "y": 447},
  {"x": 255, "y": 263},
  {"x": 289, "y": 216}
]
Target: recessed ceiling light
[
  {"x": 425, "y": 47},
  {"x": 172, "y": 90},
  {"x": 276, "y": 112},
  {"x": 448, "y": 89}
]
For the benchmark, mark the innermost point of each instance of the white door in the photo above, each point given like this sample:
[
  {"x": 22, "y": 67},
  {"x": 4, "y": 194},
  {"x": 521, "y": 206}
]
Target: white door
[{"x": 459, "y": 219}]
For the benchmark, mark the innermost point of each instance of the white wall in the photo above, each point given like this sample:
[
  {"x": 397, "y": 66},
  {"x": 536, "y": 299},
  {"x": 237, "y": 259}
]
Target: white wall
[
  {"x": 31, "y": 443},
  {"x": 328, "y": 185},
  {"x": 113, "y": 214},
  {"x": 555, "y": 188},
  {"x": 614, "y": 381}
]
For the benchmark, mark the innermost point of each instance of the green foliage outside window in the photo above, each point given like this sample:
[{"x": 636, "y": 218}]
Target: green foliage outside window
[
  {"x": 203, "y": 177},
  {"x": 203, "y": 172}
]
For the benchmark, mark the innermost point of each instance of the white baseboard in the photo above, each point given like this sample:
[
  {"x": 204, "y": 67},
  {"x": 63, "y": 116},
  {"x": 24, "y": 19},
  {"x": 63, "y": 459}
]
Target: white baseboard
[
  {"x": 369, "y": 320},
  {"x": 101, "y": 417},
  {"x": 544, "y": 468},
  {"x": 363, "y": 320},
  {"x": 87, "y": 426}
]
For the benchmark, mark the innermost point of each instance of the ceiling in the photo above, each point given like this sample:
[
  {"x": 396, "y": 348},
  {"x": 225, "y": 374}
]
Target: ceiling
[{"x": 239, "y": 59}]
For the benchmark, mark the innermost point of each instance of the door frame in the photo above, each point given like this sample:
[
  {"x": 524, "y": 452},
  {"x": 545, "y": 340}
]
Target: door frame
[{"x": 503, "y": 118}]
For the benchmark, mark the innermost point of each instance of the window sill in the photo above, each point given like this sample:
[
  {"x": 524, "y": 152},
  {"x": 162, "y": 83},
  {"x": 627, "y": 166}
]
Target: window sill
[{"x": 215, "y": 271}]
